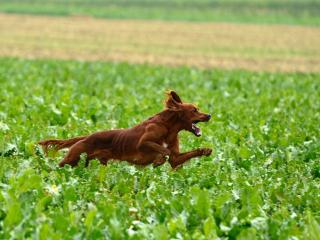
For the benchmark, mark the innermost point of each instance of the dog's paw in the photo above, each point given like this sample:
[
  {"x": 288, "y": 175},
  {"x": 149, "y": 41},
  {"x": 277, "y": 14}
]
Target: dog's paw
[
  {"x": 166, "y": 152},
  {"x": 158, "y": 162},
  {"x": 206, "y": 151}
]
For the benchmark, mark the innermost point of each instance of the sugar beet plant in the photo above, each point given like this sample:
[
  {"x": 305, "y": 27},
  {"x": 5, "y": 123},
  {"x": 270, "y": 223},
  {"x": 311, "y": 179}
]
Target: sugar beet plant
[{"x": 261, "y": 182}]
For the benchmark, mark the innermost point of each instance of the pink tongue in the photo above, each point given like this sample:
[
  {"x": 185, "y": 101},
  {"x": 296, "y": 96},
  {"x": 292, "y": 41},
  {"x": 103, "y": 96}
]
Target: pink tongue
[{"x": 196, "y": 130}]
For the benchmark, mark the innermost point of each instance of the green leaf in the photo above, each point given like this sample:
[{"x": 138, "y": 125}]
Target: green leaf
[
  {"x": 29, "y": 180},
  {"x": 176, "y": 225},
  {"x": 89, "y": 219},
  {"x": 160, "y": 232},
  {"x": 202, "y": 202},
  {"x": 244, "y": 152},
  {"x": 13, "y": 214},
  {"x": 45, "y": 232},
  {"x": 247, "y": 234},
  {"x": 209, "y": 228},
  {"x": 312, "y": 228},
  {"x": 42, "y": 203}
]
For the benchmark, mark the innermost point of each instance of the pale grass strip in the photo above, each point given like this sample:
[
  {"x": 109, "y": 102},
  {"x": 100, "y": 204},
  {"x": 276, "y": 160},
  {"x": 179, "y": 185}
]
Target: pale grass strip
[{"x": 207, "y": 45}]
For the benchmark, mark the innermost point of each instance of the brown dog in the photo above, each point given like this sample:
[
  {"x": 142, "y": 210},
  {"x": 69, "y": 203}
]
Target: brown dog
[{"x": 152, "y": 141}]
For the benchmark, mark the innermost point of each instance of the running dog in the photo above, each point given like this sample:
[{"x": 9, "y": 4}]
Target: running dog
[{"x": 153, "y": 141}]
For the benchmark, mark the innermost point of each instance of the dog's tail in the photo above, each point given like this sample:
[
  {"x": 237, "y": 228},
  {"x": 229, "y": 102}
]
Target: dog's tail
[{"x": 59, "y": 144}]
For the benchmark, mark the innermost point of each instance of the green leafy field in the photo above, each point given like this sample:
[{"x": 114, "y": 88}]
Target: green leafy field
[
  {"x": 304, "y": 12},
  {"x": 262, "y": 181}
]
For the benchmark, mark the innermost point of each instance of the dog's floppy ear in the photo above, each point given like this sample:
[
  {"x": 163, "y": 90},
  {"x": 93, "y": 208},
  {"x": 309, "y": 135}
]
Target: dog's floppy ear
[
  {"x": 173, "y": 100},
  {"x": 175, "y": 96}
]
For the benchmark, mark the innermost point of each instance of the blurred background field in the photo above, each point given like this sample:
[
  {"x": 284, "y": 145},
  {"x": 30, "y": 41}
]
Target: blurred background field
[
  {"x": 254, "y": 35},
  {"x": 205, "y": 45},
  {"x": 252, "y": 11}
]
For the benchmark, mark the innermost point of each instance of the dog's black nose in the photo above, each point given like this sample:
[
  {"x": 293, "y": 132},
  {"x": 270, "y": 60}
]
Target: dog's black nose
[{"x": 208, "y": 116}]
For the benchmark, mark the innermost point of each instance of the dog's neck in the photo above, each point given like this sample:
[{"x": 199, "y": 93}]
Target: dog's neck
[{"x": 171, "y": 120}]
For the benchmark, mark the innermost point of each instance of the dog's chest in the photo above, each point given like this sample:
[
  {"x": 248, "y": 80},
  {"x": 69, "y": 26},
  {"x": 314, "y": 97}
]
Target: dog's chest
[{"x": 165, "y": 145}]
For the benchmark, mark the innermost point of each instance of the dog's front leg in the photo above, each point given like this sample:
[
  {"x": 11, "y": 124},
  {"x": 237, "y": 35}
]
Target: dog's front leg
[
  {"x": 153, "y": 152},
  {"x": 177, "y": 160},
  {"x": 150, "y": 148}
]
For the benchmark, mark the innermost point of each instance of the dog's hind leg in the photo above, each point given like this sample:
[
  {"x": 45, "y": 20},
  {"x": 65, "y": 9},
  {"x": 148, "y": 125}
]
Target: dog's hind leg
[
  {"x": 102, "y": 155},
  {"x": 73, "y": 156}
]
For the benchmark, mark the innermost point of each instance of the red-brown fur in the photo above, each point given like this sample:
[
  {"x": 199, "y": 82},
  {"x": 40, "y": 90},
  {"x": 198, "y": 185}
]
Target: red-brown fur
[{"x": 152, "y": 141}]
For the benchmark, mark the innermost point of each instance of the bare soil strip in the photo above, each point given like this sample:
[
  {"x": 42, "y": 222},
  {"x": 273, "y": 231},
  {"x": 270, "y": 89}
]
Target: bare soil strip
[{"x": 208, "y": 45}]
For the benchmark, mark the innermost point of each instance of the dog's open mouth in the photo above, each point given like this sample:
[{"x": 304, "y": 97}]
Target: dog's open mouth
[{"x": 196, "y": 130}]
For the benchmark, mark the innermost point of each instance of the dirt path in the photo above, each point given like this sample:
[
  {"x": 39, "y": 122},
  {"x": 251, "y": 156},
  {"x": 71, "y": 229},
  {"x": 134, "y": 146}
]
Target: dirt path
[{"x": 208, "y": 45}]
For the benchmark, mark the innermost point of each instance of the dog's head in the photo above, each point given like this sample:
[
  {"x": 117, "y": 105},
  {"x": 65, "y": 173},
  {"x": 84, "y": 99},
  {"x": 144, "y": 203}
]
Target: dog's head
[{"x": 188, "y": 114}]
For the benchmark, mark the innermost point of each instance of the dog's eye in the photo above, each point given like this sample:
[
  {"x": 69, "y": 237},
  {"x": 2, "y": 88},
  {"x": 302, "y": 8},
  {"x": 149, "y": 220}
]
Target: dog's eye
[{"x": 195, "y": 110}]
